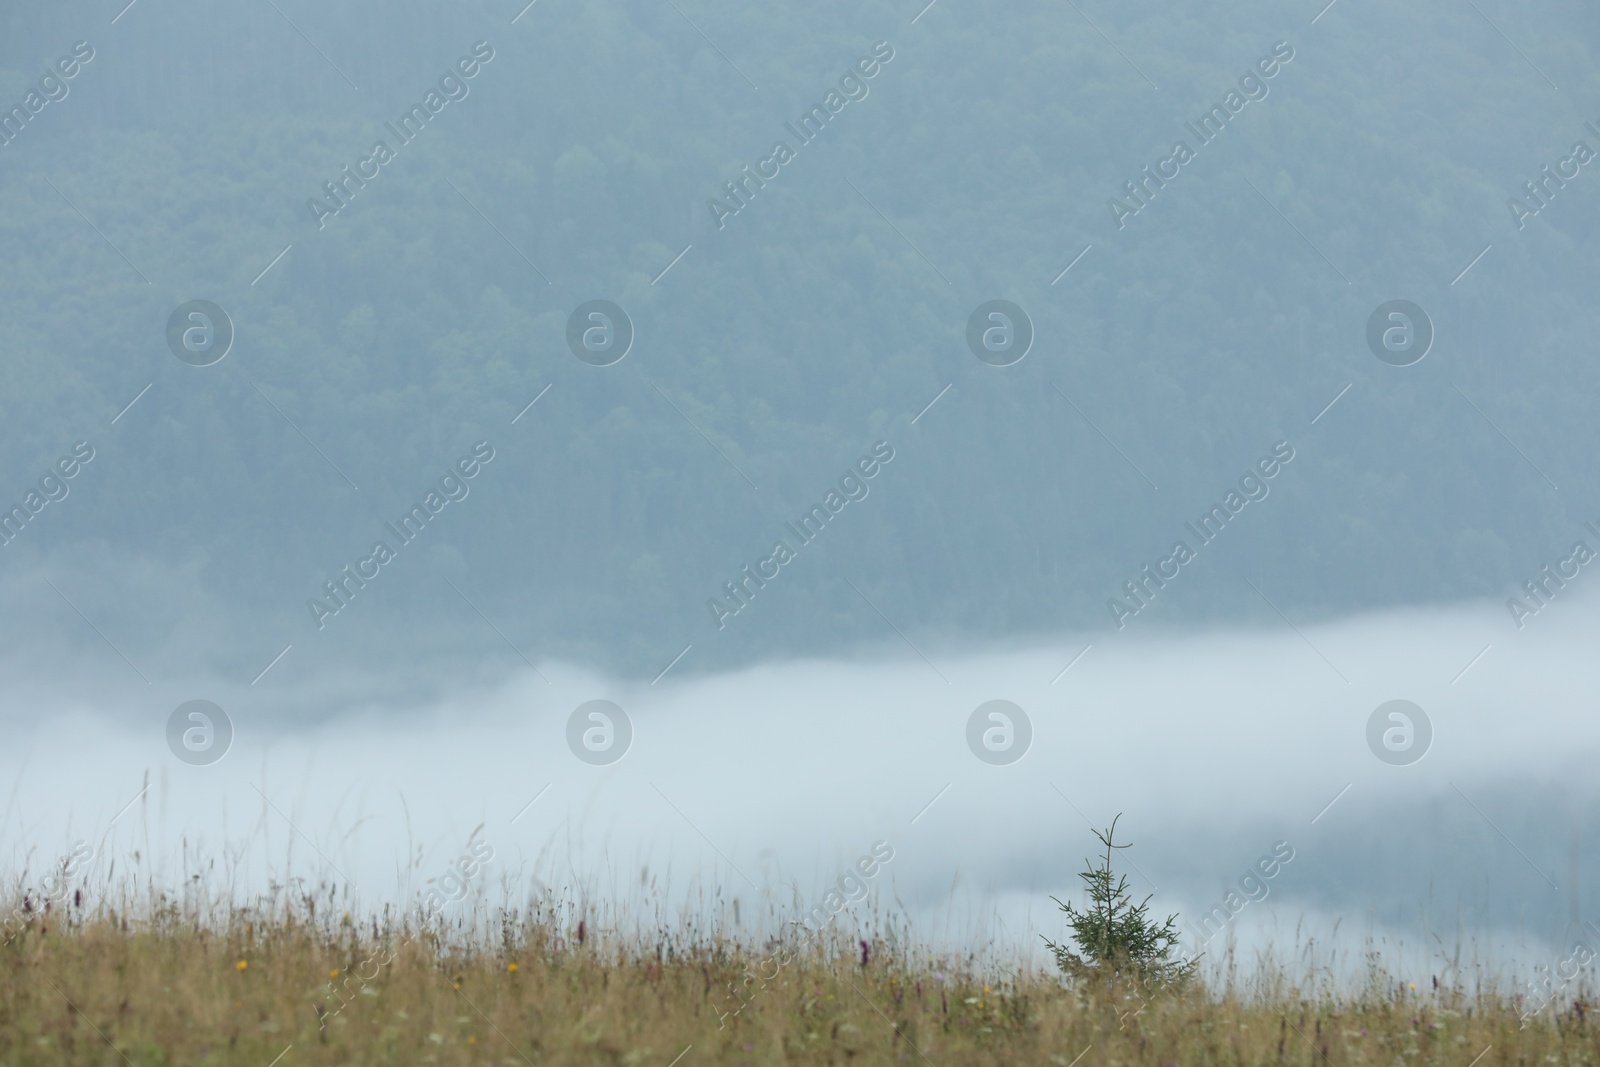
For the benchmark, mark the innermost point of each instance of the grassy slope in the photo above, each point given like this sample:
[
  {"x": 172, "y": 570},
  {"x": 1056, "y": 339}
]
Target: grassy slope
[{"x": 172, "y": 988}]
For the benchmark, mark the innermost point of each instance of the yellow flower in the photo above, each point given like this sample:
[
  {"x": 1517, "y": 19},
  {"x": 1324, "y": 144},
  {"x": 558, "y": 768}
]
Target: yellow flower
[
  {"x": 471, "y": 1040},
  {"x": 241, "y": 965},
  {"x": 511, "y": 968},
  {"x": 334, "y": 973}
]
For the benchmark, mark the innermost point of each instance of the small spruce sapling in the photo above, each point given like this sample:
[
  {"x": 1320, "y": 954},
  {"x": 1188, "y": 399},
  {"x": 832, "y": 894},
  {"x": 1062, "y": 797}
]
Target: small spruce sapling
[{"x": 1115, "y": 937}]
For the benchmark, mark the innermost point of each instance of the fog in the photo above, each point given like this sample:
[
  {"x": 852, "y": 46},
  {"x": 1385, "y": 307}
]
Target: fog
[
  {"x": 1212, "y": 386},
  {"x": 764, "y": 785}
]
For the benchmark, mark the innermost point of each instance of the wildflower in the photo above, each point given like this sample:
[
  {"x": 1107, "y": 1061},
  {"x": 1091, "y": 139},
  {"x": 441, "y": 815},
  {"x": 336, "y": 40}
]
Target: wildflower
[
  {"x": 241, "y": 965},
  {"x": 511, "y": 968},
  {"x": 334, "y": 973}
]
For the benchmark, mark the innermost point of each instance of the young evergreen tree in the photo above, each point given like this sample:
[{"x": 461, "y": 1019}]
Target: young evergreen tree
[{"x": 1115, "y": 937}]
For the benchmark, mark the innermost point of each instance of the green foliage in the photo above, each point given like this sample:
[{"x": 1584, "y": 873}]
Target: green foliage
[
  {"x": 1117, "y": 938},
  {"x": 409, "y": 327}
]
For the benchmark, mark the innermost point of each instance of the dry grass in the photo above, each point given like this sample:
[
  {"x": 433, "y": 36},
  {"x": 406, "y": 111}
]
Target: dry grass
[{"x": 255, "y": 987}]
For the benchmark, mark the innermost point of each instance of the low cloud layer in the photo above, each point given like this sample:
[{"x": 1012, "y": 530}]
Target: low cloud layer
[{"x": 767, "y": 784}]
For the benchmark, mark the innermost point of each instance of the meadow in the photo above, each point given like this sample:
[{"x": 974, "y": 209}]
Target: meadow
[{"x": 296, "y": 980}]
